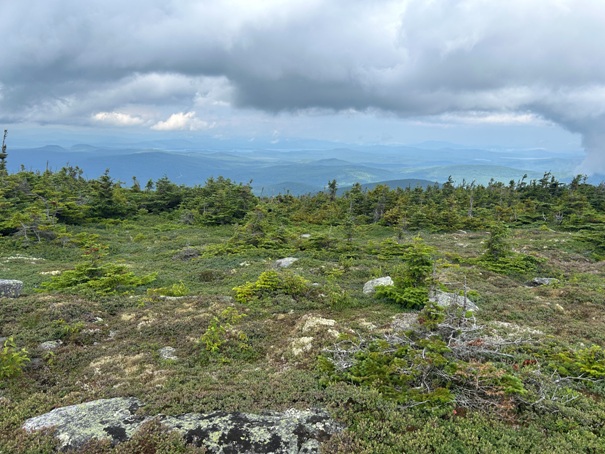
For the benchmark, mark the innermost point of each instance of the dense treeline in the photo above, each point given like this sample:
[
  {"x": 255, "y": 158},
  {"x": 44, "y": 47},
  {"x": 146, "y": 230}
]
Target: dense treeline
[{"x": 37, "y": 204}]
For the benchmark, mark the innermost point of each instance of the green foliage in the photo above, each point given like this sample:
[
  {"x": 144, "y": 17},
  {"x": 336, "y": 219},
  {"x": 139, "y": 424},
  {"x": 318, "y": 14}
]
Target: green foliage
[
  {"x": 407, "y": 298},
  {"x": 222, "y": 201},
  {"x": 513, "y": 264},
  {"x": 418, "y": 265},
  {"x": 261, "y": 229},
  {"x": 271, "y": 283},
  {"x": 67, "y": 331},
  {"x": 593, "y": 238},
  {"x": 221, "y": 339},
  {"x": 97, "y": 276},
  {"x": 414, "y": 279},
  {"x": 446, "y": 360},
  {"x": 461, "y": 392},
  {"x": 497, "y": 246},
  {"x": 178, "y": 289},
  {"x": 584, "y": 362},
  {"x": 12, "y": 360}
]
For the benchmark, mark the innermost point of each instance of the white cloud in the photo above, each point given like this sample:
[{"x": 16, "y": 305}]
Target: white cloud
[
  {"x": 117, "y": 119},
  {"x": 493, "y": 118},
  {"x": 182, "y": 121},
  {"x": 472, "y": 61}
]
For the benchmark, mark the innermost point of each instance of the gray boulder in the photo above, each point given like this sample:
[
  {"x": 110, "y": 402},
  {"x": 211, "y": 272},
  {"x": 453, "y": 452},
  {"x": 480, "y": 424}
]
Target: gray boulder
[
  {"x": 285, "y": 262},
  {"x": 10, "y": 288},
  {"x": 370, "y": 286},
  {"x": 292, "y": 431},
  {"x": 445, "y": 299},
  {"x": 538, "y": 281}
]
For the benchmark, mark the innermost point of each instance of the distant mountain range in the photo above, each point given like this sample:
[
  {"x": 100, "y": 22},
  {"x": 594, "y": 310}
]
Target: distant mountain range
[{"x": 281, "y": 168}]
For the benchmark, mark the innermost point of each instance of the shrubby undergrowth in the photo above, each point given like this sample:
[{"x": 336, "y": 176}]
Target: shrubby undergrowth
[{"x": 524, "y": 373}]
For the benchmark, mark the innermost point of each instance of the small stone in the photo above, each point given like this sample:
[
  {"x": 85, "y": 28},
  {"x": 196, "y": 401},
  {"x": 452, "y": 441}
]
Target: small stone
[
  {"x": 370, "y": 286},
  {"x": 10, "y": 288},
  {"x": 285, "y": 262},
  {"x": 305, "y": 236},
  {"x": 50, "y": 345},
  {"x": 168, "y": 353}
]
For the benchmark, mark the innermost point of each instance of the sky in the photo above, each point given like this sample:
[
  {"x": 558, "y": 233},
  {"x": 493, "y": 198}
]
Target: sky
[{"x": 500, "y": 73}]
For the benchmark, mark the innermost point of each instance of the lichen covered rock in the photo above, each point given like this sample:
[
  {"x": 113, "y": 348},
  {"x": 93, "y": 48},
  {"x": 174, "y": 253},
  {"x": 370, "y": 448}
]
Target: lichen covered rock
[
  {"x": 292, "y": 431},
  {"x": 105, "y": 419},
  {"x": 10, "y": 288},
  {"x": 445, "y": 299}
]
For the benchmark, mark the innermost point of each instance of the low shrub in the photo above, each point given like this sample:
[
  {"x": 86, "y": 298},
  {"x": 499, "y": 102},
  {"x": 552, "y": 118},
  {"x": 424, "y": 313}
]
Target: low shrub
[
  {"x": 12, "y": 360},
  {"x": 271, "y": 283}
]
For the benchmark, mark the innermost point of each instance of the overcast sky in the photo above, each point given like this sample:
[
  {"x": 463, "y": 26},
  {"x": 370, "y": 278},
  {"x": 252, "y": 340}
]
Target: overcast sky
[{"x": 520, "y": 73}]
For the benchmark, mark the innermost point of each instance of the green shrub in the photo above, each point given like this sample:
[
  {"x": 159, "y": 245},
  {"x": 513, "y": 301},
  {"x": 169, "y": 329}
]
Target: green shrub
[
  {"x": 12, "y": 360},
  {"x": 178, "y": 289},
  {"x": 94, "y": 275},
  {"x": 221, "y": 339},
  {"x": 66, "y": 331},
  {"x": 447, "y": 360},
  {"x": 408, "y": 298},
  {"x": 513, "y": 264},
  {"x": 414, "y": 279},
  {"x": 271, "y": 283}
]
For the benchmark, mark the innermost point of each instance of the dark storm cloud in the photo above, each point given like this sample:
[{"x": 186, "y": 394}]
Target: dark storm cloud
[{"x": 140, "y": 61}]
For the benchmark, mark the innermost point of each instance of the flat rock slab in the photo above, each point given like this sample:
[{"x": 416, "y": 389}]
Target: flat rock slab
[
  {"x": 10, "y": 288},
  {"x": 292, "y": 431},
  {"x": 105, "y": 419}
]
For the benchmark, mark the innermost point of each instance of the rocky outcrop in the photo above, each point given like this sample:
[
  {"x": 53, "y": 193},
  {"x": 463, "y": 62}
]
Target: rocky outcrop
[
  {"x": 370, "y": 286},
  {"x": 105, "y": 419},
  {"x": 292, "y": 431},
  {"x": 285, "y": 262},
  {"x": 10, "y": 288}
]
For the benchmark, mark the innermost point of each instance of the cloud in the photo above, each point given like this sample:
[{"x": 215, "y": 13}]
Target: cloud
[
  {"x": 117, "y": 119},
  {"x": 496, "y": 62},
  {"x": 182, "y": 122}
]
